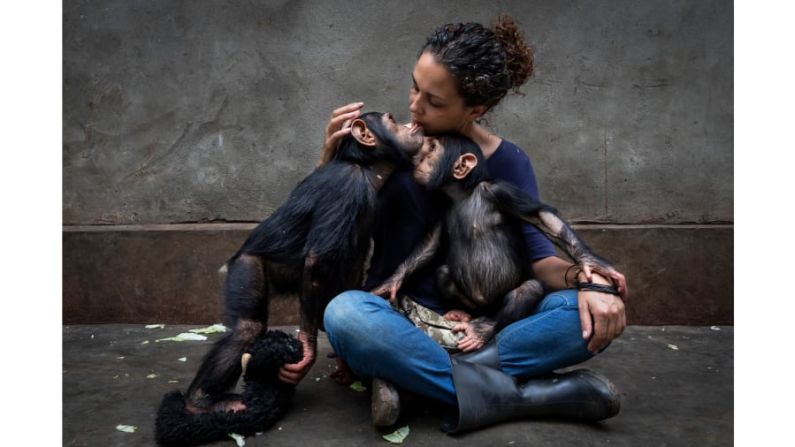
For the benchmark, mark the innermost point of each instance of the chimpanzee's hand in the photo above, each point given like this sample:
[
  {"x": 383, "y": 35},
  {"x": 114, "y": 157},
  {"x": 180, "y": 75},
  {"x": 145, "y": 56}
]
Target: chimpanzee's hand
[
  {"x": 602, "y": 316},
  {"x": 476, "y": 333},
  {"x": 338, "y": 126},
  {"x": 603, "y": 268},
  {"x": 391, "y": 286},
  {"x": 294, "y": 372},
  {"x": 457, "y": 315}
]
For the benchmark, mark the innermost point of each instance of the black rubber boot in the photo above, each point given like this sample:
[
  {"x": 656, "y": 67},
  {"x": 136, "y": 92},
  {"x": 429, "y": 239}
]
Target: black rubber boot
[
  {"x": 487, "y": 396},
  {"x": 488, "y": 355}
]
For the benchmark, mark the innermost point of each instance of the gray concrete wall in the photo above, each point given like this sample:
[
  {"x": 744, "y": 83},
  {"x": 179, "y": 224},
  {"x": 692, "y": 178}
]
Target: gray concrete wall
[{"x": 211, "y": 111}]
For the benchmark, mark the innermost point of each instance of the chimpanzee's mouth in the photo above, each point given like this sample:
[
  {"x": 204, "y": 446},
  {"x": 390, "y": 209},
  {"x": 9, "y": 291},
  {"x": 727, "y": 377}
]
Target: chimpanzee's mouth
[{"x": 416, "y": 135}]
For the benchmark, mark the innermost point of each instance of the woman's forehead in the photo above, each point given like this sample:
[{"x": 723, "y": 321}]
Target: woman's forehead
[{"x": 433, "y": 78}]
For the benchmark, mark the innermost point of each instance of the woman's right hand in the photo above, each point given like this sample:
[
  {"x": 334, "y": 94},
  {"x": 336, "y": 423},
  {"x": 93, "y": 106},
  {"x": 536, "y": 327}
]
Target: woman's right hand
[{"x": 338, "y": 127}]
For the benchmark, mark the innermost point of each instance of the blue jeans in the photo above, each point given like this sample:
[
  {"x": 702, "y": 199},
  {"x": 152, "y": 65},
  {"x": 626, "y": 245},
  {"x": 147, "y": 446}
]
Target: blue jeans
[{"x": 377, "y": 341}]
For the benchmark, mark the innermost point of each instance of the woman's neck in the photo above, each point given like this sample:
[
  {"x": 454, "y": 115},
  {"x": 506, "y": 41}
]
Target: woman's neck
[{"x": 487, "y": 141}]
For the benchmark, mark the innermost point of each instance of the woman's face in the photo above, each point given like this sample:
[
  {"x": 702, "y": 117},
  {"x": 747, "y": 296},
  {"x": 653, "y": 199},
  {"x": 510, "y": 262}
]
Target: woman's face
[{"x": 434, "y": 101}]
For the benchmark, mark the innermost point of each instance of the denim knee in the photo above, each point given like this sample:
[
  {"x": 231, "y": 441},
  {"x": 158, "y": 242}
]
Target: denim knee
[
  {"x": 349, "y": 310},
  {"x": 558, "y": 299}
]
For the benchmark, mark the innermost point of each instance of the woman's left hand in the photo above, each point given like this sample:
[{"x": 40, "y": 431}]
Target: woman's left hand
[{"x": 602, "y": 317}]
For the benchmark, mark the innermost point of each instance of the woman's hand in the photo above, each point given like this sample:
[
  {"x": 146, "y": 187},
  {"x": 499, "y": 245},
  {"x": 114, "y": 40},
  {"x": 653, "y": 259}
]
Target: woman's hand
[
  {"x": 602, "y": 315},
  {"x": 338, "y": 127}
]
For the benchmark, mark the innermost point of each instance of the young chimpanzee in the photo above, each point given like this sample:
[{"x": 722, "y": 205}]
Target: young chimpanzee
[
  {"x": 265, "y": 398},
  {"x": 314, "y": 245},
  {"x": 486, "y": 268}
]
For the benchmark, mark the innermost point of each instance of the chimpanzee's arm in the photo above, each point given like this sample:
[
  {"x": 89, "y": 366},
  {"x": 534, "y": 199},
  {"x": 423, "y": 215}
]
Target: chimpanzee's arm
[
  {"x": 311, "y": 313},
  {"x": 310, "y": 299},
  {"x": 416, "y": 260},
  {"x": 515, "y": 202}
]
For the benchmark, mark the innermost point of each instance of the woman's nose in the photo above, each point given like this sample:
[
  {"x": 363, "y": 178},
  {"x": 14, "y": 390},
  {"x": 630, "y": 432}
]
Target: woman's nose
[{"x": 414, "y": 103}]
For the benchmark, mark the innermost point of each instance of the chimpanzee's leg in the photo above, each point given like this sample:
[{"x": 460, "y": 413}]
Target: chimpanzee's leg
[
  {"x": 518, "y": 303},
  {"x": 311, "y": 300},
  {"x": 246, "y": 306}
]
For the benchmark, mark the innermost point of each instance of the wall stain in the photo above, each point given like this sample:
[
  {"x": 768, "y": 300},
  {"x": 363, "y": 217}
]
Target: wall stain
[{"x": 187, "y": 139}]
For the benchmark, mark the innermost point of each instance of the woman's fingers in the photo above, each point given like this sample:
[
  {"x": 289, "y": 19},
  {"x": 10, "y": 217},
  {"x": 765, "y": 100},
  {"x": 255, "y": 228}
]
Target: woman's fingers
[
  {"x": 354, "y": 106},
  {"x": 340, "y": 115},
  {"x": 338, "y": 122}
]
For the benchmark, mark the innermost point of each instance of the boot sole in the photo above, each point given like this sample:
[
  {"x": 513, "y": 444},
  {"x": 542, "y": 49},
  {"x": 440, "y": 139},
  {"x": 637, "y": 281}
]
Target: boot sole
[
  {"x": 384, "y": 404},
  {"x": 614, "y": 402}
]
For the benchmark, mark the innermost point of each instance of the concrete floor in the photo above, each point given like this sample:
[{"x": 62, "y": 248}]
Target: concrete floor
[{"x": 676, "y": 383}]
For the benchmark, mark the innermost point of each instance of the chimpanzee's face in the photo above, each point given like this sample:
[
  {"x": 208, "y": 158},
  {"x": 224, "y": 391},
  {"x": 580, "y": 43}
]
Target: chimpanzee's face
[
  {"x": 409, "y": 138},
  {"x": 427, "y": 160}
]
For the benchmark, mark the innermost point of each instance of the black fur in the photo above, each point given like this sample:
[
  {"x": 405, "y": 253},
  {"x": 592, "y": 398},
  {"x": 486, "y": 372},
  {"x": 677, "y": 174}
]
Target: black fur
[
  {"x": 486, "y": 267},
  {"x": 322, "y": 212},
  {"x": 266, "y": 399},
  {"x": 455, "y": 146},
  {"x": 314, "y": 246}
]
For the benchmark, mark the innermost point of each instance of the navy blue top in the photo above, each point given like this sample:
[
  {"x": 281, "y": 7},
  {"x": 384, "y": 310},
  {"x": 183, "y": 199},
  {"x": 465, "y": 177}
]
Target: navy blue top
[{"x": 406, "y": 213}]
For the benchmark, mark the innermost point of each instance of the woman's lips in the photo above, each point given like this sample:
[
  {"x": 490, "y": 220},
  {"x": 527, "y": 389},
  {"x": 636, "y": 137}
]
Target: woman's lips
[{"x": 413, "y": 127}]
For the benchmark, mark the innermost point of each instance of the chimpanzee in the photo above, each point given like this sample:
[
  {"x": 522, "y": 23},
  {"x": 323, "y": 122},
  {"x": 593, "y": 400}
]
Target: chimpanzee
[
  {"x": 314, "y": 245},
  {"x": 264, "y": 401},
  {"x": 486, "y": 268}
]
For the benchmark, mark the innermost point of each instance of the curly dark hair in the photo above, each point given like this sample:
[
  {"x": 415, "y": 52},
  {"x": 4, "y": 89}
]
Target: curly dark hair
[{"x": 485, "y": 63}]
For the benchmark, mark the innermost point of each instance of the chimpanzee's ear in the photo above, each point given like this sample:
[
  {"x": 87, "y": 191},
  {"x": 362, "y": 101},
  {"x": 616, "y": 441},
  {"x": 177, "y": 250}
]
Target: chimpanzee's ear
[
  {"x": 464, "y": 165},
  {"x": 362, "y": 134}
]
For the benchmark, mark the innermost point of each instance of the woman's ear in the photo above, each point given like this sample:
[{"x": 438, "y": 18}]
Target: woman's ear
[
  {"x": 362, "y": 134},
  {"x": 464, "y": 165},
  {"x": 475, "y": 113}
]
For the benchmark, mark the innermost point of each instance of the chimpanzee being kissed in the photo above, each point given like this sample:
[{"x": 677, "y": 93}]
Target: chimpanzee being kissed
[
  {"x": 486, "y": 269},
  {"x": 314, "y": 246}
]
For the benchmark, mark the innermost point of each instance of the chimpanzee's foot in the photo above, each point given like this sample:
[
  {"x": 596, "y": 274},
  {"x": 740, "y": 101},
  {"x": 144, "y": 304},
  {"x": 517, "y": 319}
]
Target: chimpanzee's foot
[
  {"x": 194, "y": 409},
  {"x": 457, "y": 315},
  {"x": 198, "y": 402},
  {"x": 230, "y": 404},
  {"x": 343, "y": 375},
  {"x": 233, "y": 406}
]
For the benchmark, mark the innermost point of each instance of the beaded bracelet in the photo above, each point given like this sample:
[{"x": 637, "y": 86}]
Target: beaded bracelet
[{"x": 597, "y": 287}]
